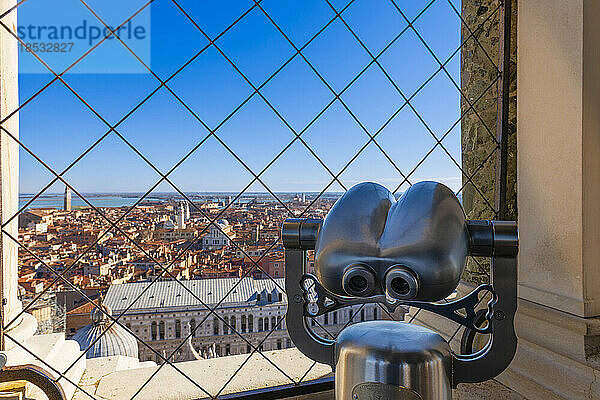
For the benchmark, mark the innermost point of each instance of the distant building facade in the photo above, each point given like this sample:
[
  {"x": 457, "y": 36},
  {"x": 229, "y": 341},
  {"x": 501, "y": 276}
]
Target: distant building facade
[
  {"x": 96, "y": 269},
  {"x": 41, "y": 216},
  {"x": 79, "y": 317},
  {"x": 166, "y": 313},
  {"x": 219, "y": 235},
  {"x": 170, "y": 235},
  {"x": 275, "y": 266}
]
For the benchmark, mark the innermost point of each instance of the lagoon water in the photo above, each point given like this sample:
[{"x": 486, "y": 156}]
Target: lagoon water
[
  {"x": 127, "y": 199},
  {"x": 56, "y": 201}
]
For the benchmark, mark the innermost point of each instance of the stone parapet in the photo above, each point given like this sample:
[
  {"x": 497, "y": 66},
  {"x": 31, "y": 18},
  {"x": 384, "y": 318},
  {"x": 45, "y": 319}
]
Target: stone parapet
[
  {"x": 106, "y": 381},
  {"x": 120, "y": 377},
  {"x": 556, "y": 356},
  {"x": 57, "y": 354}
]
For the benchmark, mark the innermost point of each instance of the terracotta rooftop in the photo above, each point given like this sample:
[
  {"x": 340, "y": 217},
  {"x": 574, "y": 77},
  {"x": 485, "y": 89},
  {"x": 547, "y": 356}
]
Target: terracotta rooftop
[{"x": 84, "y": 308}]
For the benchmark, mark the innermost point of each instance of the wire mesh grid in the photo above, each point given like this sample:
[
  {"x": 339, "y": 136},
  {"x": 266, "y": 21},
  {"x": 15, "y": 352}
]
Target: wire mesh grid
[{"x": 113, "y": 224}]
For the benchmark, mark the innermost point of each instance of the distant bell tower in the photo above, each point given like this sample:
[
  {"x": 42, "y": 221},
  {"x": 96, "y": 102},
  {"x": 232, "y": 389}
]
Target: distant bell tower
[
  {"x": 67, "y": 199},
  {"x": 180, "y": 218}
]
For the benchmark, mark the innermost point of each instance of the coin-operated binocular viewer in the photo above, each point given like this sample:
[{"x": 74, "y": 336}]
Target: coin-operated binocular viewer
[{"x": 411, "y": 252}]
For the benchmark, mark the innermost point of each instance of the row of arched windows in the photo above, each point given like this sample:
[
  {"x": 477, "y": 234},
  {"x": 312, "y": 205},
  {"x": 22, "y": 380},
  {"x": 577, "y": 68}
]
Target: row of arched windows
[
  {"x": 229, "y": 324},
  {"x": 276, "y": 323},
  {"x": 157, "y": 330},
  {"x": 158, "y": 334},
  {"x": 246, "y": 324}
]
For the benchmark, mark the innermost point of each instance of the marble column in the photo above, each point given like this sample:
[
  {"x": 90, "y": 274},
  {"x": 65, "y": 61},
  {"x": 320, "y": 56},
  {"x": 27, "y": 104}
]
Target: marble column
[
  {"x": 9, "y": 170},
  {"x": 558, "y": 197}
]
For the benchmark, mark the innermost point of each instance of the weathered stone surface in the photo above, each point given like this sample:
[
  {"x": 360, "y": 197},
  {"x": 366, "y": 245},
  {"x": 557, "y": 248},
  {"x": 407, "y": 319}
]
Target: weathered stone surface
[
  {"x": 479, "y": 60},
  {"x": 9, "y": 165},
  {"x": 104, "y": 381},
  {"x": 489, "y": 390}
]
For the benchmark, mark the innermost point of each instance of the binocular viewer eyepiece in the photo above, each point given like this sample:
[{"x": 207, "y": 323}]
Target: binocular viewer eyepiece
[
  {"x": 414, "y": 248},
  {"x": 400, "y": 283},
  {"x": 358, "y": 280}
]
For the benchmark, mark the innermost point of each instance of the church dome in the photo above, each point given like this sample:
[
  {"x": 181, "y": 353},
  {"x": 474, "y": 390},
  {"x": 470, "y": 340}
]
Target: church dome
[{"x": 108, "y": 338}]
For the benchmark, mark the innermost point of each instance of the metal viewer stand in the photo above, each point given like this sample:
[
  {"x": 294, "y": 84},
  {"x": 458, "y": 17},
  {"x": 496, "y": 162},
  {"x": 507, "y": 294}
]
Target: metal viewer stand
[{"x": 411, "y": 252}]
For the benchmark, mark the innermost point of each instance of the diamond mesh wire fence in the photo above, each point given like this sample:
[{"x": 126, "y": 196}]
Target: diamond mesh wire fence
[{"x": 208, "y": 284}]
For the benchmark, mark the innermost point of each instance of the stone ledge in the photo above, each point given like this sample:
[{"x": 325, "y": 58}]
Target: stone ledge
[
  {"x": 21, "y": 330},
  {"x": 489, "y": 390},
  {"x": 211, "y": 374},
  {"x": 554, "y": 357},
  {"x": 572, "y": 336},
  {"x": 54, "y": 350},
  {"x": 541, "y": 373},
  {"x": 557, "y": 354},
  {"x": 113, "y": 378}
]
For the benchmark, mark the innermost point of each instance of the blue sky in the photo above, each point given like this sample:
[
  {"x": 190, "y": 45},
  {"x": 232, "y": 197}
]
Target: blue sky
[{"x": 58, "y": 127}]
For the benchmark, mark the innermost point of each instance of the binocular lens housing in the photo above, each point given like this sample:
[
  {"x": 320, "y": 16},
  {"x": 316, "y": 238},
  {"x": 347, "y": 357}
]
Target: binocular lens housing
[
  {"x": 401, "y": 283},
  {"x": 358, "y": 280},
  {"x": 410, "y": 249}
]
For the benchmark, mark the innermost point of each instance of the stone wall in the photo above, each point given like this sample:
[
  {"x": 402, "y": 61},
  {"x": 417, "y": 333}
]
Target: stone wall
[
  {"x": 9, "y": 165},
  {"x": 479, "y": 124}
]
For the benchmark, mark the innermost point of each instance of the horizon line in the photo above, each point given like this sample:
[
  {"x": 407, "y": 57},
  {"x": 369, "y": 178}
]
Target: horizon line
[{"x": 186, "y": 192}]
